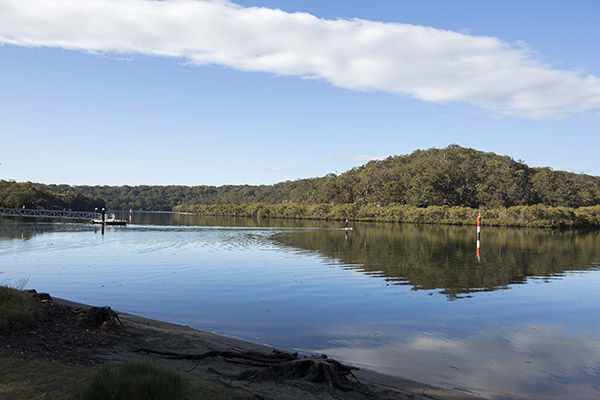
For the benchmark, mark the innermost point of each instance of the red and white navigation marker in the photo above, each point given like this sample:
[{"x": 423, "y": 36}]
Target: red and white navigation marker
[{"x": 478, "y": 236}]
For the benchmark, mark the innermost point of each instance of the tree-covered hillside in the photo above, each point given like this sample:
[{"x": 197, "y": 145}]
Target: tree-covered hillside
[
  {"x": 32, "y": 195},
  {"x": 450, "y": 176},
  {"x": 459, "y": 176},
  {"x": 454, "y": 176}
]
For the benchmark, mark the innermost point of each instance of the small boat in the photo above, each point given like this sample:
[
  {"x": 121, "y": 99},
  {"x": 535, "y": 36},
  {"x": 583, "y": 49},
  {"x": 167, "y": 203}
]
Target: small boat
[
  {"x": 120, "y": 222},
  {"x": 346, "y": 229},
  {"x": 110, "y": 221}
]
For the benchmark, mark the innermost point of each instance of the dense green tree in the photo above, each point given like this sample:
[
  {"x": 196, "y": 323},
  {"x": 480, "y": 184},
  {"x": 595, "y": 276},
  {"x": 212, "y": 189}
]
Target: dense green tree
[
  {"x": 31, "y": 195},
  {"x": 25, "y": 194}
]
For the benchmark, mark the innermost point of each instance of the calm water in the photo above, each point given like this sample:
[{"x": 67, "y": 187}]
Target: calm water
[{"x": 414, "y": 301}]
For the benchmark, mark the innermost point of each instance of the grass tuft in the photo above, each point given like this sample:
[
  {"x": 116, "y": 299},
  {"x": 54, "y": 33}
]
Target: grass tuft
[
  {"x": 25, "y": 377},
  {"x": 136, "y": 381},
  {"x": 18, "y": 310}
]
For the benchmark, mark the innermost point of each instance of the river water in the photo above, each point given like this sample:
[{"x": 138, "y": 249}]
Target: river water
[{"x": 521, "y": 322}]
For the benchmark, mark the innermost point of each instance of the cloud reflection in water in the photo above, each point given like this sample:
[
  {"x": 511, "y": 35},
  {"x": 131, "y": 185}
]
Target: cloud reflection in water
[{"x": 521, "y": 362}]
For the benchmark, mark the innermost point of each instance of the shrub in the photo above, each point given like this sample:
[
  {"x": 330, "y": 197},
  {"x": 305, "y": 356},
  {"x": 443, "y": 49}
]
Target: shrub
[
  {"x": 18, "y": 310},
  {"x": 536, "y": 216}
]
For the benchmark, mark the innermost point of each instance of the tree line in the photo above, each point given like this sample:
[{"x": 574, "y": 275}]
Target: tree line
[
  {"x": 536, "y": 216},
  {"x": 33, "y": 195},
  {"x": 448, "y": 178},
  {"x": 454, "y": 176}
]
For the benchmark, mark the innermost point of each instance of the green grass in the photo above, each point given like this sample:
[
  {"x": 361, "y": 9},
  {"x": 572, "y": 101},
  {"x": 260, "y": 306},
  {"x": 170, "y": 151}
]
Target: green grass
[
  {"x": 136, "y": 381},
  {"x": 23, "y": 377},
  {"x": 139, "y": 381},
  {"x": 17, "y": 309},
  {"x": 28, "y": 378}
]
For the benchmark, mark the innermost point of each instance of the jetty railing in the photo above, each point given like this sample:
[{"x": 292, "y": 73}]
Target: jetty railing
[{"x": 42, "y": 213}]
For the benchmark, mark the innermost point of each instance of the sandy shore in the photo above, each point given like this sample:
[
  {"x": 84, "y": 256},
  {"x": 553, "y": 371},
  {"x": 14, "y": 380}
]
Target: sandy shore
[{"x": 163, "y": 337}]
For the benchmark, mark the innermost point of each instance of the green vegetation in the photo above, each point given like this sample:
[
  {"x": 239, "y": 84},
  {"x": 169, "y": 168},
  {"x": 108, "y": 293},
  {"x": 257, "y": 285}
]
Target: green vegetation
[
  {"x": 28, "y": 378},
  {"x": 443, "y": 258},
  {"x": 454, "y": 176},
  {"x": 32, "y": 195},
  {"x": 17, "y": 309},
  {"x": 141, "y": 381},
  {"x": 538, "y": 216},
  {"x": 135, "y": 381},
  {"x": 24, "y": 377},
  {"x": 428, "y": 186}
]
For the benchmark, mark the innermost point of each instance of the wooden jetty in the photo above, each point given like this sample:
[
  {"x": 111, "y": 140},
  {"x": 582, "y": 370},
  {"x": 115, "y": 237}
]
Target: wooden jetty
[
  {"x": 95, "y": 217},
  {"x": 42, "y": 213}
]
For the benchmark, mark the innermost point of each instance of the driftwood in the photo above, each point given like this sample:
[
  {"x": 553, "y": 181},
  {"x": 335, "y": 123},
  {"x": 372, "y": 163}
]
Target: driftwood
[
  {"x": 278, "y": 366},
  {"x": 317, "y": 370},
  {"x": 274, "y": 357}
]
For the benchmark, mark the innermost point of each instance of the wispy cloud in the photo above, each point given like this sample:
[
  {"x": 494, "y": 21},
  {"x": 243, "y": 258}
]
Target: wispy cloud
[
  {"x": 416, "y": 61},
  {"x": 359, "y": 157}
]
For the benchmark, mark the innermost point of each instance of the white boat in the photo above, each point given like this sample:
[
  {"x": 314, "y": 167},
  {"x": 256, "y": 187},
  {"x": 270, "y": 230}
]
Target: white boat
[{"x": 111, "y": 220}]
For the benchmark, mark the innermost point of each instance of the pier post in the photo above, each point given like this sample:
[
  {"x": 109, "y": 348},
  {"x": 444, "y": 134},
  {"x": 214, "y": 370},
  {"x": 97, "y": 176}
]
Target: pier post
[{"x": 103, "y": 215}]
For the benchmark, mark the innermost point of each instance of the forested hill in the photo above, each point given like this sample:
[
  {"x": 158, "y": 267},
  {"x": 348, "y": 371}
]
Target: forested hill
[
  {"x": 32, "y": 195},
  {"x": 454, "y": 176}
]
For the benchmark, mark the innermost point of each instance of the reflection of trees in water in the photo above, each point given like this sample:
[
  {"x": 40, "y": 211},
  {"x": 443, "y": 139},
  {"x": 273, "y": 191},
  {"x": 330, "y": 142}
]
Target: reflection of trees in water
[
  {"x": 167, "y": 218},
  {"x": 440, "y": 257},
  {"x": 12, "y": 235},
  {"x": 14, "y": 228},
  {"x": 426, "y": 257}
]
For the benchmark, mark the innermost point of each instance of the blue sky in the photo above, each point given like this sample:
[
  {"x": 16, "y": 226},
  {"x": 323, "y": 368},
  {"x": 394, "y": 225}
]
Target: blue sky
[{"x": 212, "y": 93}]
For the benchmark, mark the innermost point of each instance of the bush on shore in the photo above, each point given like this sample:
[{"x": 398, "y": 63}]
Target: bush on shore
[
  {"x": 18, "y": 309},
  {"x": 537, "y": 216}
]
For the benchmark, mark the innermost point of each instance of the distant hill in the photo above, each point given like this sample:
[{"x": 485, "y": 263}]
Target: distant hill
[
  {"x": 453, "y": 176},
  {"x": 32, "y": 195}
]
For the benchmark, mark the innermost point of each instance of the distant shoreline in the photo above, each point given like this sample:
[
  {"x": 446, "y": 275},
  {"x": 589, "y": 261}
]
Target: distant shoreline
[
  {"x": 535, "y": 216},
  {"x": 396, "y": 189}
]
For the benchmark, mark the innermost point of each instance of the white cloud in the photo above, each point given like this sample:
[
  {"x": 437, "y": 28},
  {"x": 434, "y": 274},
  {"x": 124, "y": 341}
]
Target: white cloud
[
  {"x": 415, "y": 61},
  {"x": 520, "y": 362}
]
